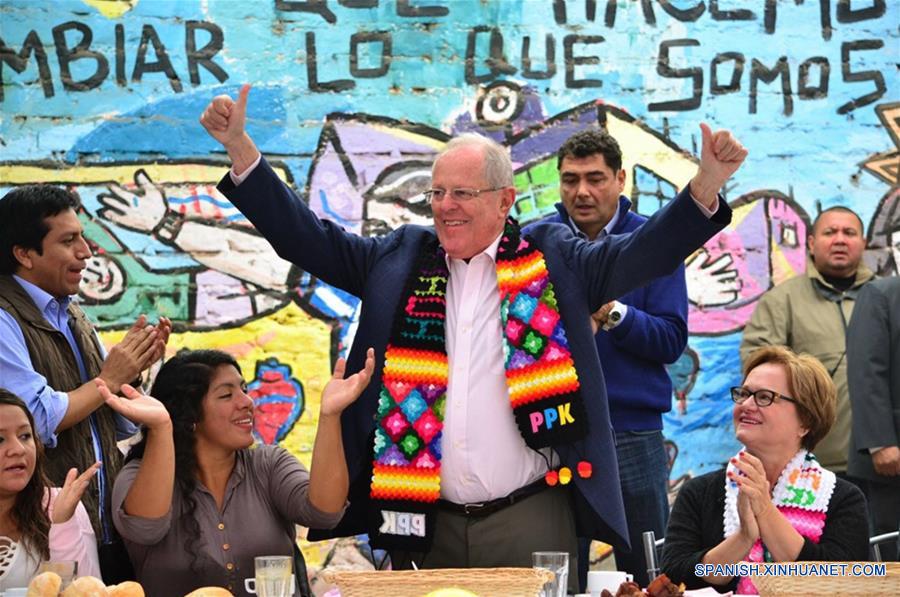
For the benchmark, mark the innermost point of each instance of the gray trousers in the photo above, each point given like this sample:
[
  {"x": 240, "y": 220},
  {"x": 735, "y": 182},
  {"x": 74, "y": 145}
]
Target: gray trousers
[{"x": 541, "y": 522}]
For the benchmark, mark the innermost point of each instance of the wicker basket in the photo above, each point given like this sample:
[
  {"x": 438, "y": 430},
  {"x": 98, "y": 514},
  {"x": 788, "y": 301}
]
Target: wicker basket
[
  {"x": 837, "y": 586},
  {"x": 485, "y": 582}
]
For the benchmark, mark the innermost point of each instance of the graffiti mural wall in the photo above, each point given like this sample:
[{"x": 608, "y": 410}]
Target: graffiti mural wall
[{"x": 353, "y": 98}]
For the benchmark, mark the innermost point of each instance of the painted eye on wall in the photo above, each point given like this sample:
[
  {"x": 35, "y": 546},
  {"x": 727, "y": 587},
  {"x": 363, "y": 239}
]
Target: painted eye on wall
[
  {"x": 397, "y": 198},
  {"x": 499, "y": 103}
]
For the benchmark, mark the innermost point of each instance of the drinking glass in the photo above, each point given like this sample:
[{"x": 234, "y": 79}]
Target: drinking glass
[
  {"x": 273, "y": 577},
  {"x": 556, "y": 562},
  {"x": 66, "y": 569}
]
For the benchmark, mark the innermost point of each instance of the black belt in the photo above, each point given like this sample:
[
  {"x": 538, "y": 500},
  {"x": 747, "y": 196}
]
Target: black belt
[{"x": 480, "y": 509}]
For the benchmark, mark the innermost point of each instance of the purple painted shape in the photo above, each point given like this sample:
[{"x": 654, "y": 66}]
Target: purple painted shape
[
  {"x": 532, "y": 111},
  {"x": 220, "y": 299},
  {"x": 331, "y": 193},
  {"x": 789, "y": 235},
  {"x": 337, "y": 183},
  {"x": 748, "y": 244},
  {"x": 546, "y": 140},
  {"x": 465, "y": 124},
  {"x": 370, "y": 150},
  {"x": 360, "y": 137}
]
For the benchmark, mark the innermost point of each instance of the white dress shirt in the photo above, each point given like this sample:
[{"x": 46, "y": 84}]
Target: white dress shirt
[{"x": 483, "y": 454}]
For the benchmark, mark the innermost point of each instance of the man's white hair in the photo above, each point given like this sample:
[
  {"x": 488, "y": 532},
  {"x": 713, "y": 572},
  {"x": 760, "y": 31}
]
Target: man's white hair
[{"x": 498, "y": 171}]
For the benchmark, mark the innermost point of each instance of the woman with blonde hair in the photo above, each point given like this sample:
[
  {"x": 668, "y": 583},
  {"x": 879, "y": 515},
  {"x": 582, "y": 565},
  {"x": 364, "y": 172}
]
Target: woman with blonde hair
[{"x": 773, "y": 502}]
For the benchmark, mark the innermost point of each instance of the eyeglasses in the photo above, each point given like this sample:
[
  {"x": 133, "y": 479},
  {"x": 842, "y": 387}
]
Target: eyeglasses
[
  {"x": 762, "y": 397},
  {"x": 461, "y": 195}
]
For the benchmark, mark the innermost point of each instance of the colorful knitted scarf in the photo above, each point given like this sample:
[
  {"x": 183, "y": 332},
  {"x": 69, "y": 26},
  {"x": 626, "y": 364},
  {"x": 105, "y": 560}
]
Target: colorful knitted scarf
[
  {"x": 801, "y": 495},
  {"x": 540, "y": 374}
]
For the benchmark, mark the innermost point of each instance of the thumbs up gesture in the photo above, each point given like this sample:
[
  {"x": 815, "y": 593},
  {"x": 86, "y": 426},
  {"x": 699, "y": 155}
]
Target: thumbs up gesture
[
  {"x": 225, "y": 120},
  {"x": 720, "y": 157}
]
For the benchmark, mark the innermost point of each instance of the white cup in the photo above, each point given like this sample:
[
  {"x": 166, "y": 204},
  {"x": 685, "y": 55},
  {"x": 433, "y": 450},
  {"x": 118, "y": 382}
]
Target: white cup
[
  {"x": 606, "y": 579},
  {"x": 16, "y": 592}
]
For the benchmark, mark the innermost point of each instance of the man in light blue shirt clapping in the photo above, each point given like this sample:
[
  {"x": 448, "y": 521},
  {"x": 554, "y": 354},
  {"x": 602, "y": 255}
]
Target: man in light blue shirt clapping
[{"x": 50, "y": 354}]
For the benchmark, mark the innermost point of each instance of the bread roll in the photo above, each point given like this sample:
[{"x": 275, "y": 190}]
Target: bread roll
[
  {"x": 210, "y": 592},
  {"x": 86, "y": 586},
  {"x": 126, "y": 589},
  {"x": 45, "y": 584}
]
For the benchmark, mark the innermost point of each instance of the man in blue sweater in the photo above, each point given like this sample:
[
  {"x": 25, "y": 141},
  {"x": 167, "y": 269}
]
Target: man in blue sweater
[{"x": 637, "y": 335}]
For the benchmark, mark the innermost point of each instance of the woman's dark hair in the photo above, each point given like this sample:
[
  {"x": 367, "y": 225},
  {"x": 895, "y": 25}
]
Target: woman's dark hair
[
  {"x": 180, "y": 385},
  {"x": 30, "y": 510}
]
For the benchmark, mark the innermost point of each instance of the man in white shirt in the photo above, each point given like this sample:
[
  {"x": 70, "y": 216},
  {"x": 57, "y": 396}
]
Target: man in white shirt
[{"x": 474, "y": 445}]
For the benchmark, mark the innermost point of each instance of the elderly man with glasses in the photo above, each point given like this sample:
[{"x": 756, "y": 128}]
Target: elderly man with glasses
[{"x": 484, "y": 435}]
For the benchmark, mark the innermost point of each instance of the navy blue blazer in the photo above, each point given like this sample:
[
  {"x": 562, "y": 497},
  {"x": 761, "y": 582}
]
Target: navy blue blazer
[{"x": 586, "y": 276}]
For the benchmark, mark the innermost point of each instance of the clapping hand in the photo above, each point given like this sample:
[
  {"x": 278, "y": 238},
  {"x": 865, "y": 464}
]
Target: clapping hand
[
  {"x": 132, "y": 355},
  {"x": 753, "y": 483},
  {"x": 70, "y": 494},
  {"x": 339, "y": 393},
  {"x": 135, "y": 406},
  {"x": 142, "y": 346},
  {"x": 749, "y": 526},
  {"x": 163, "y": 331}
]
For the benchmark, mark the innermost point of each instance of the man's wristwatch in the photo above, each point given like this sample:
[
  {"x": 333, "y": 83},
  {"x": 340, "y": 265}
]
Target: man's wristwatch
[{"x": 615, "y": 316}]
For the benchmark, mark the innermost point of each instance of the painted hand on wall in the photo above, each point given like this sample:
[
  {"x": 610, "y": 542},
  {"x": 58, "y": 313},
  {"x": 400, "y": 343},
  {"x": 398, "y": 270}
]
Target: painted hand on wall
[
  {"x": 141, "y": 210},
  {"x": 711, "y": 283},
  {"x": 209, "y": 236}
]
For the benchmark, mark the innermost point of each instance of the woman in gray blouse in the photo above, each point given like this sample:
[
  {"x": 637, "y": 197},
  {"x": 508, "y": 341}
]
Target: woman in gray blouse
[{"x": 195, "y": 503}]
